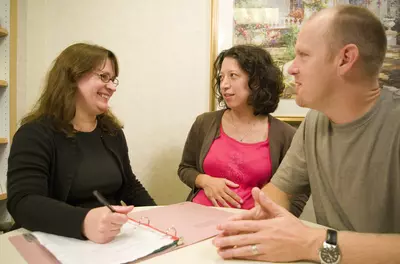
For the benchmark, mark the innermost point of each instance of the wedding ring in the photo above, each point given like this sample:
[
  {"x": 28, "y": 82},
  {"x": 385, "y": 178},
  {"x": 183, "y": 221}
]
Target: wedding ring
[{"x": 254, "y": 249}]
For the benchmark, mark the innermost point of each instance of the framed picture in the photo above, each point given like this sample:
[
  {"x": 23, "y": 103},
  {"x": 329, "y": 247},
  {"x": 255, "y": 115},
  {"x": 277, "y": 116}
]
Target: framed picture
[{"x": 274, "y": 24}]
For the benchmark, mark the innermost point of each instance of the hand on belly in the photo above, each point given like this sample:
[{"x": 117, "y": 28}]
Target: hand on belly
[{"x": 220, "y": 191}]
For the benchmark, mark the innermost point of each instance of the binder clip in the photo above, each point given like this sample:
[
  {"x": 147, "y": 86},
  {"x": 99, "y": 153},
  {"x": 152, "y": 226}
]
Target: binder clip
[
  {"x": 180, "y": 239},
  {"x": 171, "y": 229}
]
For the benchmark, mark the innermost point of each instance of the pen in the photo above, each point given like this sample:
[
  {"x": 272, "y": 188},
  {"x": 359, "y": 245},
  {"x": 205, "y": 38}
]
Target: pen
[{"x": 103, "y": 201}]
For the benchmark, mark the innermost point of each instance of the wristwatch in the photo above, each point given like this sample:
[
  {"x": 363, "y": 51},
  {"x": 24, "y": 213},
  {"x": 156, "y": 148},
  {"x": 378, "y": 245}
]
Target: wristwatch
[{"x": 329, "y": 253}]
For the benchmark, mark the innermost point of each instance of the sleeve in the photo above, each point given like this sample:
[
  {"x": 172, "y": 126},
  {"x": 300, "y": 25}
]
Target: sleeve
[
  {"x": 297, "y": 202},
  {"x": 289, "y": 132},
  {"x": 187, "y": 170},
  {"x": 135, "y": 193},
  {"x": 292, "y": 175},
  {"x": 28, "y": 177}
]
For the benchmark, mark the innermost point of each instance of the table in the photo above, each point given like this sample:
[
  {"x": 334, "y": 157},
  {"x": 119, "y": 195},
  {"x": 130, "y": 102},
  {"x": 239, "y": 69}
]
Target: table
[{"x": 201, "y": 253}]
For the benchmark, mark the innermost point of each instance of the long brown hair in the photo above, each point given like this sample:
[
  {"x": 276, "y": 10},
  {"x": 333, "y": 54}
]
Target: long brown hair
[{"x": 57, "y": 100}]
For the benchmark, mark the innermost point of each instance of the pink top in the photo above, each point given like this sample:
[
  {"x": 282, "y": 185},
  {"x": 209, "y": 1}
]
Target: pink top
[{"x": 248, "y": 165}]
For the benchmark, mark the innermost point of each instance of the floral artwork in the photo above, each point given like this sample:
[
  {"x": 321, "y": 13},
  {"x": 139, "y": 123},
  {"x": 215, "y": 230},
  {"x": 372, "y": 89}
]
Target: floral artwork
[
  {"x": 359, "y": 2},
  {"x": 274, "y": 25}
]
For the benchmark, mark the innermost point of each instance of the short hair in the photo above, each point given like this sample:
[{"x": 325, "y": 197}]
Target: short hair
[
  {"x": 265, "y": 78},
  {"x": 359, "y": 26},
  {"x": 57, "y": 100}
]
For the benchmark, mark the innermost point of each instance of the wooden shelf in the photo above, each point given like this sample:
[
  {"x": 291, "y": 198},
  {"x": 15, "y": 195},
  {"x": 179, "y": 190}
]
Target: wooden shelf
[
  {"x": 3, "y": 196},
  {"x": 3, "y": 140},
  {"x": 3, "y": 83},
  {"x": 3, "y": 32}
]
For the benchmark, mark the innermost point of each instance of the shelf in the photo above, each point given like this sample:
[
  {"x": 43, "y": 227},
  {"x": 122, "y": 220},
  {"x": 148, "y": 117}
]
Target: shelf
[
  {"x": 3, "y": 196},
  {"x": 3, "y": 140},
  {"x": 3, "y": 83},
  {"x": 3, "y": 32}
]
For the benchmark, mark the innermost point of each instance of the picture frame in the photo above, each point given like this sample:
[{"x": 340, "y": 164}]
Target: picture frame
[{"x": 274, "y": 24}]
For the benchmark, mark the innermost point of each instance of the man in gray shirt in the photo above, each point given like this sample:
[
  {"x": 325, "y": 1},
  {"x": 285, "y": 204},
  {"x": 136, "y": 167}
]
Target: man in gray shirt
[{"x": 346, "y": 153}]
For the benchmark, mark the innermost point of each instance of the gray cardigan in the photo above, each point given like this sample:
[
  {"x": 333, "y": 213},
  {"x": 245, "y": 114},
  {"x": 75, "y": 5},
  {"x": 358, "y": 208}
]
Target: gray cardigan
[{"x": 206, "y": 129}]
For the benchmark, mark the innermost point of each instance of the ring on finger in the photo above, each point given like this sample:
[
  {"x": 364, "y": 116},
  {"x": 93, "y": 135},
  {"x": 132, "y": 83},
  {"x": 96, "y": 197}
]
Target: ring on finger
[{"x": 254, "y": 249}]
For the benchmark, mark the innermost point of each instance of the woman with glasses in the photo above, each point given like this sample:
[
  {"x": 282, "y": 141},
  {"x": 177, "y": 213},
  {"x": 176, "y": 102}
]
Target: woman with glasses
[
  {"x": 228, "y": 152},
  {"x": 69, "y": 145}
]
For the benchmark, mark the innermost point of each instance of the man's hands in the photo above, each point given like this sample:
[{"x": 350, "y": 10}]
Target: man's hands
[
  {"x": 257, "y": 212},
  {"x": 268, "y": 232}
]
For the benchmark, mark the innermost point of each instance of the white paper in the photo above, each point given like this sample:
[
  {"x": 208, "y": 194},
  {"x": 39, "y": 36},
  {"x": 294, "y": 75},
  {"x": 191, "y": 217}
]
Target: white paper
[{"x": 134, "y": 242}]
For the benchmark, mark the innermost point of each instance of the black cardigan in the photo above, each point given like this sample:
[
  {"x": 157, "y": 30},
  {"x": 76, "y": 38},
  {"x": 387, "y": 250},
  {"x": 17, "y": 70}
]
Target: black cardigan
[{"x": 41, "y": 168}]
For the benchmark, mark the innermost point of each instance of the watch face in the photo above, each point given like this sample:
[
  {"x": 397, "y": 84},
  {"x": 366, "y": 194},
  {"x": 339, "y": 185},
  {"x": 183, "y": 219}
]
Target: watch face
[{"x": 330, "y": 255}]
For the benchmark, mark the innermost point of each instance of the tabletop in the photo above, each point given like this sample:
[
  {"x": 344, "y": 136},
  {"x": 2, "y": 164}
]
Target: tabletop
[{"x": 202, "y": 253}]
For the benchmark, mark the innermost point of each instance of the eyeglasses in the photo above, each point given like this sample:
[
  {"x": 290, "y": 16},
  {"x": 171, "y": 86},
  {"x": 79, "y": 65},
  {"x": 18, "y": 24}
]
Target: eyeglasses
[{"x": 105, "y": 78}]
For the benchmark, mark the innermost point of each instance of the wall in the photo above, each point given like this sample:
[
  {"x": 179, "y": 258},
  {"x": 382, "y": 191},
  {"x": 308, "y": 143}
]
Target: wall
[{"x": 163, "y": 50}]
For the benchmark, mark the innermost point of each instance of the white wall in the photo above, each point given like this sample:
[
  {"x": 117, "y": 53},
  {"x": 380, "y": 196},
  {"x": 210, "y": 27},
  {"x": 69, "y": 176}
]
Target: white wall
[{"x": 163, "y": 50}]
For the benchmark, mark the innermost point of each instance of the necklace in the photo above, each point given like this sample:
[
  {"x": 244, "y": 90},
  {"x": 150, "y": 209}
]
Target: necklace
[{"x": 247, "y": 132}]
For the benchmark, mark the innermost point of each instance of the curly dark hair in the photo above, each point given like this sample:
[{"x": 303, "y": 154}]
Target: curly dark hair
[{"x": 265, "y": 78}]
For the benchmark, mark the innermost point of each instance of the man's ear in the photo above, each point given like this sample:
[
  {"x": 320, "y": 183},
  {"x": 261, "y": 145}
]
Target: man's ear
[{"x": 348, "y": 56}]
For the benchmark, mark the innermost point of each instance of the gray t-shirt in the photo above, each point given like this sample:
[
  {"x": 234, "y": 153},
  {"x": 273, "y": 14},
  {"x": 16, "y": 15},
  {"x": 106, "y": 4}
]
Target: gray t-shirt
[{"x": 352, "y": 170}]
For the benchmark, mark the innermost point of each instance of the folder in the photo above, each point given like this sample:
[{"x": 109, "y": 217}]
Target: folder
[
  {"x": 186, "y": 222},
  {"x": 192, "y": 222}
]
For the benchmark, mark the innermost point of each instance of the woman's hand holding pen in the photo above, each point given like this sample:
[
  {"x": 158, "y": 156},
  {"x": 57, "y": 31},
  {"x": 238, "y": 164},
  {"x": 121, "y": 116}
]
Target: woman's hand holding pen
[
  {"x": 102, "y": 226},
  {"x": 218, "y": 192}
]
